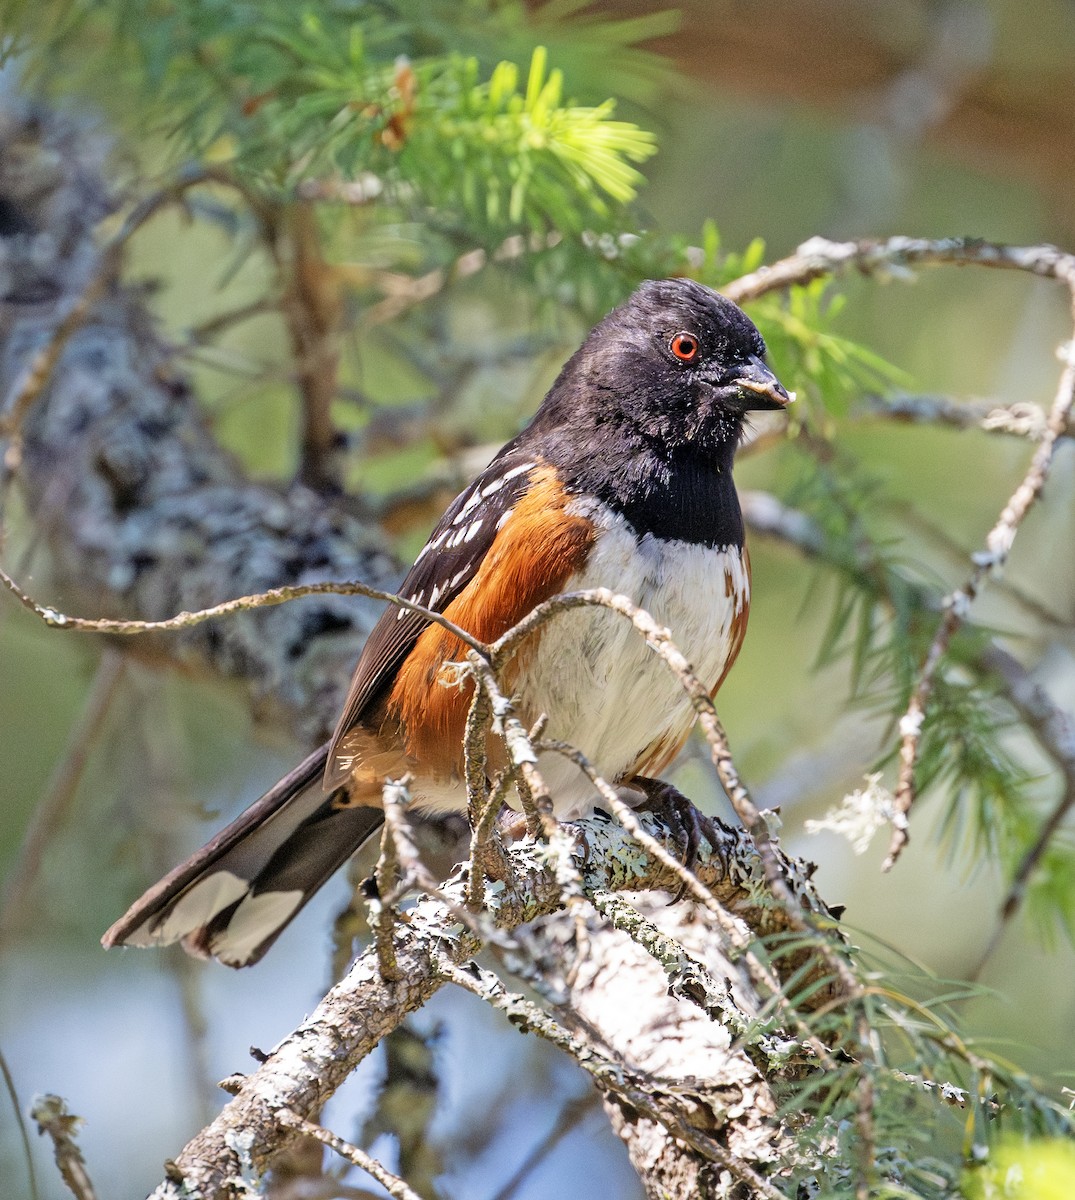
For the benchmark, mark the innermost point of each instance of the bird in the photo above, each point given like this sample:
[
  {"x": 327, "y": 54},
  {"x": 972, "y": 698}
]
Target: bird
[{"x": 622, "y": 480}]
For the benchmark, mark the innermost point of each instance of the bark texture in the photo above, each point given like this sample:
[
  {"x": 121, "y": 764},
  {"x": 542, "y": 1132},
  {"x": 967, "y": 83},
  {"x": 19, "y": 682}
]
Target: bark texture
[{"x": 141, "y": 512}]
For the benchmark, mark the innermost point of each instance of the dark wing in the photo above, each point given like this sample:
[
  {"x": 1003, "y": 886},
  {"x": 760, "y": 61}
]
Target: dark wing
[{"x": 445, "y": 565}]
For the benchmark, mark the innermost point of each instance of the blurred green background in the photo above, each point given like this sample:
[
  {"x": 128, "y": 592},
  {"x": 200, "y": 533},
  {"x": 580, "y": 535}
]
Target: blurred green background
[{"x": 780, "y": 120}]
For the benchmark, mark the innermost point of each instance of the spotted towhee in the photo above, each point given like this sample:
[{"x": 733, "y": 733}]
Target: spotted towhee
[{"x": 622, "y": 480}]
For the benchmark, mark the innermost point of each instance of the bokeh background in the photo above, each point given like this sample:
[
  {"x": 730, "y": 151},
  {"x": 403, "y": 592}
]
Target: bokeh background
[{"x": 779, "y": 119}]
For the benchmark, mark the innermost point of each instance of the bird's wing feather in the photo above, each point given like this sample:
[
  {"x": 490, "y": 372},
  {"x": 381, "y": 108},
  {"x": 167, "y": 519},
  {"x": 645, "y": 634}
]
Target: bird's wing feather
[
  {"x": 446, "y": 564},
  {"x": 137, "y": 925}
]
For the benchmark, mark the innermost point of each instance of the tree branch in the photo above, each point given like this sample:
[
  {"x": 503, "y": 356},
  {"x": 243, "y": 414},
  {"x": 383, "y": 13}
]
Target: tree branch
[{"x": 311, "y": 1063}]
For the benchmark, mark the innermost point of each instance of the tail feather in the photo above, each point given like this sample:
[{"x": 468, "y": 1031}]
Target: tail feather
[{"x": 233, "y": 898}]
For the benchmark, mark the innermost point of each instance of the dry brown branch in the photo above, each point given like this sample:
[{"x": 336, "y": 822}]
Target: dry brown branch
[
  {"x": 392, "y": 1184},
  {"x": 52, "y": 1118},
  {"x": 389, "y": 883},
  {"x": 312, "y": 304}
]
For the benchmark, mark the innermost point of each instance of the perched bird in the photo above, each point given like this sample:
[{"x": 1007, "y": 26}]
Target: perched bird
[{"x": 622, "y": 480}]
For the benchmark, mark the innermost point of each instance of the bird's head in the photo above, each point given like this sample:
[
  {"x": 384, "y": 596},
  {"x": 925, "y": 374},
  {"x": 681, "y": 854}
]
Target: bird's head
[{"x": 679, "y": 364}]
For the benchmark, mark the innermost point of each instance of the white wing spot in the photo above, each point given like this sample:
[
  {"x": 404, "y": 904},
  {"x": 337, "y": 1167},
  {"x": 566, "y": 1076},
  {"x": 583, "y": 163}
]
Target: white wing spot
[
  {"x": 474, "y": 530},
  {"x": 472, "y": 501},
  {"x": 435, "y": 544},
  {"x": 518, "y": 471},
  {"x": 416, "y": 598}
]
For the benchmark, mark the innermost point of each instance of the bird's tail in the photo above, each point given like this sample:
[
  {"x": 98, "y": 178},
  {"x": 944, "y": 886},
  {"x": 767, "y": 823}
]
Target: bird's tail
[{"x": 233, "y": 898}]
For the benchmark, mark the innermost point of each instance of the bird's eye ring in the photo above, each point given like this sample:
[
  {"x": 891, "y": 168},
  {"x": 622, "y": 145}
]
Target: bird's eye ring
[{"x": 684, "y": 346}]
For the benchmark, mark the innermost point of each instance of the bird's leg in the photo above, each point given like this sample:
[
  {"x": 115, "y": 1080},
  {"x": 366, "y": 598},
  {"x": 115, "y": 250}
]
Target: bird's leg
[
  {"x": 490, "y": 858},
  {"x": 687, "y": 824}
]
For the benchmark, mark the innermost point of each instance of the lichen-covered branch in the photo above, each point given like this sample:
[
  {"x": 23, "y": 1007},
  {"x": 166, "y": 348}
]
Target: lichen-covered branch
[
  {"x": 897, "y": 256},
  {"x": 311, "y": 1063},
  {"x": 141, "y": 512}
]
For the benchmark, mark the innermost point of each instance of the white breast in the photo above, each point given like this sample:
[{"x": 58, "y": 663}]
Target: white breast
[{"x": 603, "y": 689}]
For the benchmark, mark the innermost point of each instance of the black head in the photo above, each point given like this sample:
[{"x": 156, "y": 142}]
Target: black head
[{"x": 676, "y": 364}]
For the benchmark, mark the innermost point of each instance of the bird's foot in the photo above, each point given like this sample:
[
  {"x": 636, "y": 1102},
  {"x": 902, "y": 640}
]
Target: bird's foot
[
  {"x": 492, "y": 858},
  {"x": 688, "y": 825}
]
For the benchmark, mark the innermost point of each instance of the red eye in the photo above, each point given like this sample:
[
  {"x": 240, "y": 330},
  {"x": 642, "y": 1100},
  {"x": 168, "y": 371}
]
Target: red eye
[{"x": 684, "y": 346}]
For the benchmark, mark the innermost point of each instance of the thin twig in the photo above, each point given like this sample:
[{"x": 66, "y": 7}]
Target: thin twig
[
  {"x": 24, "y": 1133},
  {"x": 567, "y": 1121},
  {"x": 957, "y": 605},
  {"x": 52, "y": 1117},
  {"x": 209, "y": 329},
  {"x": 400, "y": 869},
  {"x": 819, "y": 257},
  {"x": 486, "y": 848},
  {"x": 267, "y": 599},
  {"x": 1021, "y": 419},
  {"x": 391, "y": 875},
  {"x": 534, "y": 793},
  {"x": 403, "y": 292},
  {"x": 392, "y": 1184},
  {"x": 1054, "y": 729},
  {"x": 626, "y": 817},
  {"x": 481, "y": 810}
]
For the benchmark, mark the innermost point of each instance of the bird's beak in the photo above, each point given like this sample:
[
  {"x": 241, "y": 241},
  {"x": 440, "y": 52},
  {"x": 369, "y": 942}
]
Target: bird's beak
[{"x": 759, "y": 388}]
